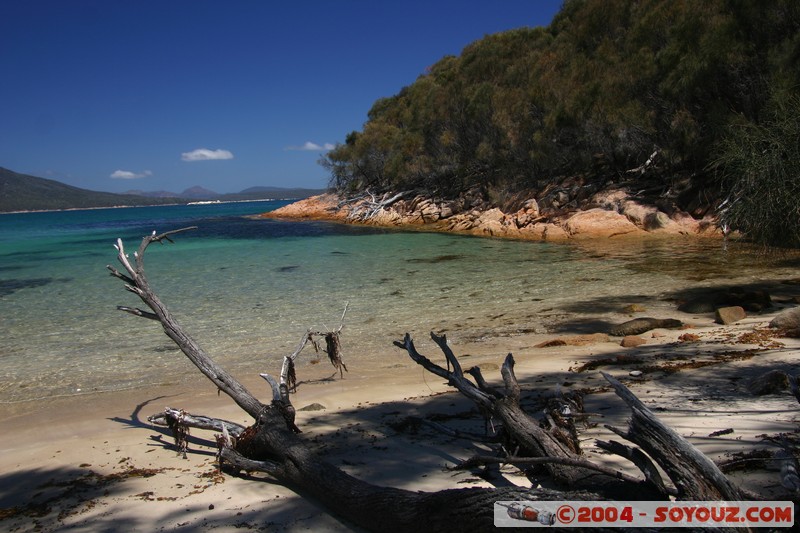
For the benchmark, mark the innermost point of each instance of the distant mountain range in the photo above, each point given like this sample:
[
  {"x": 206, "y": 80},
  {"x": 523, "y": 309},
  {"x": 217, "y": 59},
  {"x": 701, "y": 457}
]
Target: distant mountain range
[
  {"x": 200, "y": 193},
  {"x": 193, "y": 193},
  {"x": 21, "y": 192}
]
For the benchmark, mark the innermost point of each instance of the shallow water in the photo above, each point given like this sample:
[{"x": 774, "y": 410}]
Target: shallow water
[{"x": 247, "y": 289}]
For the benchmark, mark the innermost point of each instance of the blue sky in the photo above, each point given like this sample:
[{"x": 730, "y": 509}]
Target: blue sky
[{"x": 115, "y": 95}]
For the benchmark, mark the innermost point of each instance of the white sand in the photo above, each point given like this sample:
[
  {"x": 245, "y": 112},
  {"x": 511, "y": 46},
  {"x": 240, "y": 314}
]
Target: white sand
[{"x": 51, "y": 449}]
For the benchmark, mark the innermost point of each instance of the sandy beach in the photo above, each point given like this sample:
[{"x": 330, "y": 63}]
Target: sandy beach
[{"x": 94, "y": 463}]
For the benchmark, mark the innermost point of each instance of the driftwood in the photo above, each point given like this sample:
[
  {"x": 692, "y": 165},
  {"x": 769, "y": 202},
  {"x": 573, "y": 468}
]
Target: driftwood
[
  {"x": 641, "y": 169},
  {"x": 196, "y": 421},
  {"x": 520, "y": 431},
  {"x": 366, "y": 206},
  {"x": 695, "y": 476},
  {"x": 333, "y": 348},
  {"x": 272, "y": 444}
]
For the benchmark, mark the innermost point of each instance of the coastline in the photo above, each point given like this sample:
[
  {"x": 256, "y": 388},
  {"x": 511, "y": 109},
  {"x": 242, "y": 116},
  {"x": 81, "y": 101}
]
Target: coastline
[
  {"x": 95, "y": 462},
  {"x": 611, "y": 214},
  {"x": 143, "y": 205}
]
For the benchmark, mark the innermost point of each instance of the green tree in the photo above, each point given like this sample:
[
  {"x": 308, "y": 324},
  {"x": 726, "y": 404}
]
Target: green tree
[
  {"x": 608, "y": 80},
  {"x": 761, "y": 173}
]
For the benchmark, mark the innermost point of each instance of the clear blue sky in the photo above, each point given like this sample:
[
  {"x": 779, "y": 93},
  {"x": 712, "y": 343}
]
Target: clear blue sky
[{"x": 116, "y": 95}]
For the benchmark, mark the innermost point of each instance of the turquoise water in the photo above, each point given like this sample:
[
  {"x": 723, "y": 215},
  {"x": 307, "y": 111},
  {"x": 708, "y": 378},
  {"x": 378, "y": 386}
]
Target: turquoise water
[{"x": 247, "y": 289}]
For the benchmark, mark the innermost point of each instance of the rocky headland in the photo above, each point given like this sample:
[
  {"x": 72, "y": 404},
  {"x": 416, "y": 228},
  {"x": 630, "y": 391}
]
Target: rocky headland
[{"x": 610, "y": 213}]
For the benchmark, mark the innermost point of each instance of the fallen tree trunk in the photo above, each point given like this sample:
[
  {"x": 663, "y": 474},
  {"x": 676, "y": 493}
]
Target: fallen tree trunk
[
  {"x": 521, "y": 433},
  {"x": 272, "y": 445},
  {"x": 695, "y": 476}
]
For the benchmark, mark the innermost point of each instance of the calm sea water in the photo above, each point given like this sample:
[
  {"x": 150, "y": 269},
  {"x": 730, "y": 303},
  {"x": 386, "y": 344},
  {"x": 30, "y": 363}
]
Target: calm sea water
[{"x": 248, "y": 288}]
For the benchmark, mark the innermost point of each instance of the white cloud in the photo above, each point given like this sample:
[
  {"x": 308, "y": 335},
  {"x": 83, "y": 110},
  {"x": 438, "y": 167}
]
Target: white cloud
[
  {"x": 204, "y": 154},
  {"x": 313, "y": 147},
  {"x": 128, "y": 175}
]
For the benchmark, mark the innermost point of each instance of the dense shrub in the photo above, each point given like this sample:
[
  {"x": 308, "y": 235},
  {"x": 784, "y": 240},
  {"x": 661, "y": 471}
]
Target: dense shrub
[
  {"x": 760, "y": 163},
  {"x": 620, "y": 78}
]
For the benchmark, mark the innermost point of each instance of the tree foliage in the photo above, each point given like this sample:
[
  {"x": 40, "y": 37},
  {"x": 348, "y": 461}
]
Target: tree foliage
[
  {"x": 761, "y": 164},
  {"x": 608, "y": 79}
]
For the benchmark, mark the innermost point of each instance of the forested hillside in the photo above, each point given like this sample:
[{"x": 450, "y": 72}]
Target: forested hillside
[
  {"x": 20, "y": 192},
  {"x": 661, "y": 86}
]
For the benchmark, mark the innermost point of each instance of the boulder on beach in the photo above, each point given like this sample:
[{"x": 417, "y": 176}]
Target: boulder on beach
[
  {"x": 638, "y": 326},
  {"x": 632, "y": 341},
  {"x": 730, "y": 315},
  {"x": 788, "y": 319}
]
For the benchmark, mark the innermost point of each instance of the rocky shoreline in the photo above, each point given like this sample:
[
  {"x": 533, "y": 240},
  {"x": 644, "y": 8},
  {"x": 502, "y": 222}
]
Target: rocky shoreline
[{"x": 608, "y": 214}]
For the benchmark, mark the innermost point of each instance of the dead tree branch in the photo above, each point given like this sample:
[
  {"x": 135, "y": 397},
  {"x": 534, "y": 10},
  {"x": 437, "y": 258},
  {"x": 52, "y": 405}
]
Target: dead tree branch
[
  {"x": 365, "y": 209},
  {"x": 195, "y": 421},
  {"x": 695, "y": 476},
  {"x": 272, "y": 444},
  {"x": 136, "y": 282},
  {"x": 480, "y": 460},
  {"x": 333, "y": 349},
  {"x": 520, "y": 430},
  {"x": 642, "y": 462}
]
